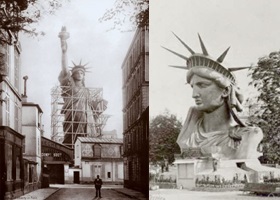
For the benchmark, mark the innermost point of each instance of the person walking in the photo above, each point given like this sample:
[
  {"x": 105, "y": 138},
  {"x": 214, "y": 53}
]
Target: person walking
[{"x": 98, "y": 183}]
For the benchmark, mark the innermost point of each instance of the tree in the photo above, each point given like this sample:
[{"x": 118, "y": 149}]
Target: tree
[
  {"x": 19, "y": 16},
  {"x": 133, "y": 11},
  {"x": 266, "y": 79},
  {"x": 164, "y": 130}
]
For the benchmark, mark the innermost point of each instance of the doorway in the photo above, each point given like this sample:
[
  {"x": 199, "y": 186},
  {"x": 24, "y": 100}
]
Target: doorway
[
  {"x": 56, "y": 172},
  {"x": 77, "y": 177}
]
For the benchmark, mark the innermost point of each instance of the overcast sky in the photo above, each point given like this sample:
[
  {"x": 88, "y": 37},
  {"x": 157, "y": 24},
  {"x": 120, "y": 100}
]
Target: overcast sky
[
  {"x": 250, "y": 28},
  {"x": 90, "y": 41}
]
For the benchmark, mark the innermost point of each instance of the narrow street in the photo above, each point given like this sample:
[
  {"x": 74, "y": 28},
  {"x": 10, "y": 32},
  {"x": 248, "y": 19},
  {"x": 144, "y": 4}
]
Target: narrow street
[{"x": 86, "y": 194}]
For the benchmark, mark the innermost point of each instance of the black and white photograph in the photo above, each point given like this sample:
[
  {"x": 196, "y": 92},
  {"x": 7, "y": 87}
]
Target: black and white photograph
[
  {"x": 74, "y": 99},
  {"x": 80, "y": 120},
  {"x": 214, "y": 99}
]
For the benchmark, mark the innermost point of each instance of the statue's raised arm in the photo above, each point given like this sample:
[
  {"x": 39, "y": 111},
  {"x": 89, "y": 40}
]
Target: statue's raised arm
[{"x": 64, "y": 35}]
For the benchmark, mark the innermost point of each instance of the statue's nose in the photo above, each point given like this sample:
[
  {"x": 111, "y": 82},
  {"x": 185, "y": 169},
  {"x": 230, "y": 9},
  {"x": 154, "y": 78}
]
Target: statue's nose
[{"x": 195, "y": 93}]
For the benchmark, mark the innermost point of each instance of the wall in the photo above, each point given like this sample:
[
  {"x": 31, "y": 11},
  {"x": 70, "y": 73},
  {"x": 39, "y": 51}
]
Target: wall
[
  {"x": 11, "y": 163},
  {"x": 91, "y": 169},
  {"x": 77, "y": 153},
  {"x": 71, "y": 174},
  {"x": 32, "y": 133},
  {"x": 135, "y": 70},
  {"x": 30, "y": 116},
  {"x": 10, "y": 107},
  {"x": 186, "y": 176}
]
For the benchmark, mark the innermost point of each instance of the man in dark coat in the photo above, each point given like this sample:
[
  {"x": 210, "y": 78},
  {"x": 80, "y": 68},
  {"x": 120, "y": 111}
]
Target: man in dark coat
[{"x": 98, "y": 183}]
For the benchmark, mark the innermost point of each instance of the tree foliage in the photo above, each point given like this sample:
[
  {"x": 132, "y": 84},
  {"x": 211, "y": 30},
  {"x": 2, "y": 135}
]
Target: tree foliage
[
  {"x": 19, "y": 16},
  {"x": 135, "y": 12},
  {"x": 266, "y": 115},
  {"x": 164, "y": 130}
]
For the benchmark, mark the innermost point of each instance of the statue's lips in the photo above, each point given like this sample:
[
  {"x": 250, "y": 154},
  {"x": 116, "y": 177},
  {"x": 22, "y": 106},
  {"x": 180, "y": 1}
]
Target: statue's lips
[{"x": 198, "y": 102}]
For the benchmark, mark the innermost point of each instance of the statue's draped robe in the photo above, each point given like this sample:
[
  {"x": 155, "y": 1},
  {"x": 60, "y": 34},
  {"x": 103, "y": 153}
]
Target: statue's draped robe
[
  {"x": 235, "y": 143},
  {"x": 79, "y": 109}
]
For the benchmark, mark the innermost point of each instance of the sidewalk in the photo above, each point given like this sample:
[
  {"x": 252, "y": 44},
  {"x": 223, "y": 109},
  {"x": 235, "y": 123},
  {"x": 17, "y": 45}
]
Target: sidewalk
[
  {"x": 130, "y": 193},
  {"x": 39, "y": 194},
  {"x": 183, "y": 194}
]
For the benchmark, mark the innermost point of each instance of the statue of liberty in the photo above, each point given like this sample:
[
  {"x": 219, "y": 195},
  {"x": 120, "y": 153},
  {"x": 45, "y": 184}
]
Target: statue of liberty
[
  {"x": 213, "y": 124},
  {"x": 81, "y": 108}
]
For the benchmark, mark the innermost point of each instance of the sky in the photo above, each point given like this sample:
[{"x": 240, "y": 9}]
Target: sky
[
  {"x": 91, "y": 42},
  {"x": 250, "y": 28}
]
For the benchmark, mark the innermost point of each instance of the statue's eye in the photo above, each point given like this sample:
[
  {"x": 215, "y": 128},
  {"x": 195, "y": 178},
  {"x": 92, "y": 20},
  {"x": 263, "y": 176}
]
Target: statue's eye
[{"x": 202, "y": 85}]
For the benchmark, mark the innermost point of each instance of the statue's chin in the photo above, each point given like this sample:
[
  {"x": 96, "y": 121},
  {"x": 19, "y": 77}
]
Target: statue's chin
[{"x": 208, "y": 109}]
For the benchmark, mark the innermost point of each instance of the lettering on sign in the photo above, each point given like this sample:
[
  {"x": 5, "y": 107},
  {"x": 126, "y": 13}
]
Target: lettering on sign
[{"x": 52, "y": 154}]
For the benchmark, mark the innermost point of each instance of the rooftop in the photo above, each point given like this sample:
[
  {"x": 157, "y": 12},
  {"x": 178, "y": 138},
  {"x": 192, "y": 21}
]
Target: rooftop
[{"x": 101, "y": 140}]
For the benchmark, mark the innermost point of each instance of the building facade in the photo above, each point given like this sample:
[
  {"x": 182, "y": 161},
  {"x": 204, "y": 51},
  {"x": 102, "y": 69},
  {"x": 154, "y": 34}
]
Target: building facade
[
  {"x": 56, "y": 161},
  {"x": 11, "y": 139},
  {"x": 135, "y": 89},
  {"x": 98, "y": 156},
  {"x": 32, "y": 130}
]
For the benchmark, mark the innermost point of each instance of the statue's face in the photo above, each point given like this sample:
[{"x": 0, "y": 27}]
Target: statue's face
[
  {"x": 78, "y": 75},
  {"x": 207, "y": 94}
]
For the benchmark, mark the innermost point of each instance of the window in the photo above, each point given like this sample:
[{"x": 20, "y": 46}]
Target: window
[
  {"x": 8, "y": 111},
  {"x": 108, "y": 174},
  {"x": 126, "y": 170},
  {"x": 18, "y": 168},
  {"x": 8, "y": 63},
  {"x": 5, "y": 57},
  {"x": 17, "y": 63},
  {"x": 16, "y": 116},
  {"x": 38, "y": 146},
  {"x": 9, "y": 157},
  {"x": 97, "y": 151},
  {"x": 97, "y": 170},
  {"x": 77, "y": 151},
  {"x": 26, "y": 178},
  {"x": 23, "y": 145},
  {"x": 121, "y": 150},
  {"x": 30, "y": 173},
  {"x": 146, "y": 68}
]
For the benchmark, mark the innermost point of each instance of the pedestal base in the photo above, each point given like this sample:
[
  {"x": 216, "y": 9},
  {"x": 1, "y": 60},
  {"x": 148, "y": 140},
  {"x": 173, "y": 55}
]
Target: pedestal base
[{"x": 209, "y": 172}]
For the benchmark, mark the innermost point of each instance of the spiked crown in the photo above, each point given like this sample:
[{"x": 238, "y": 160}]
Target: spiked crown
[
  {"x": 79, "y": 67},
  {"x": 204, "y": 60},
  {"x": 198, "y": 60}
]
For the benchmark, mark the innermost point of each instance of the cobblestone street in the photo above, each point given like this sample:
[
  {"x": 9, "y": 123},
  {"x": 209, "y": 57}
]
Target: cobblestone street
[{"x": 86, "y": 193}]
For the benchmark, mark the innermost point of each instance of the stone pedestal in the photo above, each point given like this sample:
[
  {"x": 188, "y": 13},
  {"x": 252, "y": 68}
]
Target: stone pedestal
[
  {"x": 186, "y": 172},
  {"x": 221, "y": 173}
]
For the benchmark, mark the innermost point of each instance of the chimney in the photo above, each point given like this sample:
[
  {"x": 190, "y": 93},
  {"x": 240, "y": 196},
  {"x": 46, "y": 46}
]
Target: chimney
[{"x": 24, "y": 95}]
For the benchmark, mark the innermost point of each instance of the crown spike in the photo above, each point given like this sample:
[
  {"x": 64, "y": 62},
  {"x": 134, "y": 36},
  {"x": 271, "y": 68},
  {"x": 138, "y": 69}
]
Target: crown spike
[
  {"x": 202, "y": 46},
  {"x": 80, "y": 62},
  {"x": 237, "y": 68},
  {"x": 177, "y": 54},
  {"x": 179, "y": 67},
  {"x": 185, "y": 45},
  {"x": 222, "y": 57},
  {"x": 84, "y": 65},
  {"x": 73, "y": 63}
]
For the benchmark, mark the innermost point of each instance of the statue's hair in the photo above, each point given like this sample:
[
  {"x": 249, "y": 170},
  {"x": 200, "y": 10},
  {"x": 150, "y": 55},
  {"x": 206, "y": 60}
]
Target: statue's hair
[{"x": 203, "y": 72}]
